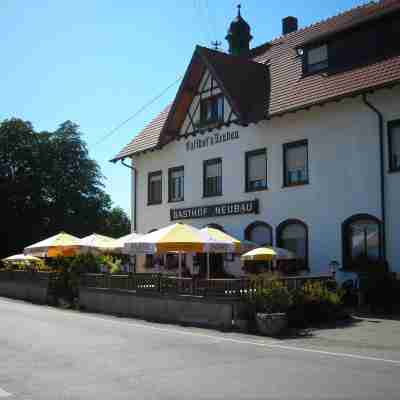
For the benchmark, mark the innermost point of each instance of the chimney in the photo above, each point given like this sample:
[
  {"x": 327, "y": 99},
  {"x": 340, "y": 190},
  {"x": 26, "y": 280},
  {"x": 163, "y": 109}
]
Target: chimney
[{"x": 289, "y": 24}]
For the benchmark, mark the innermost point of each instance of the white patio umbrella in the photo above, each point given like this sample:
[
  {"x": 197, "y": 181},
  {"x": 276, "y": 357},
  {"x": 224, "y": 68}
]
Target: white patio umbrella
[
  {"x": 131, "y": 237},
  {"x": 96, "y": 242}
]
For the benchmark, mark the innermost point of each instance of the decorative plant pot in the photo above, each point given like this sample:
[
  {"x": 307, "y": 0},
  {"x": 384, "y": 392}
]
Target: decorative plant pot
[{"x": 271, "y": 324}]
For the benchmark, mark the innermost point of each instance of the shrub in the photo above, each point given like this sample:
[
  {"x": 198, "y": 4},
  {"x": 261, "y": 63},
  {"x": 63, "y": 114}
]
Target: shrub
[
  {"x": 270, "y": 295},
  {"x": 380, "y": 289},
  {"x": 315, "y": 302}
]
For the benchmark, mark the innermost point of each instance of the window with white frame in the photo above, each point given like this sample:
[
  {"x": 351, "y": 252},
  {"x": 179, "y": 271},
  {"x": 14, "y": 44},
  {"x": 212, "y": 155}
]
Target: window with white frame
[
  {"x": 256, "y": 170},
  {"x": 295, "y": 159}
]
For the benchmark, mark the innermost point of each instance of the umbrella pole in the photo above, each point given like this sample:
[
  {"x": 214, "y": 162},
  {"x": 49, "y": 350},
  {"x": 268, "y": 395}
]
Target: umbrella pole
[
  {"x": 180, "y": 264},
  {"x": 208, "y": 265}
]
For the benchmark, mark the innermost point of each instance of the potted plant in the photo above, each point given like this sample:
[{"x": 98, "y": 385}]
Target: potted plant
[{"x": 270, "y": 304}]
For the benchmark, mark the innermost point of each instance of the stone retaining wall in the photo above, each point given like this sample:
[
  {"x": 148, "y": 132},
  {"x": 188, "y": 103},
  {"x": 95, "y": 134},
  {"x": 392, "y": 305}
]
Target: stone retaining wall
[
  {"x": 23, "y": 285},
  {"x": 207, "y": 312}
]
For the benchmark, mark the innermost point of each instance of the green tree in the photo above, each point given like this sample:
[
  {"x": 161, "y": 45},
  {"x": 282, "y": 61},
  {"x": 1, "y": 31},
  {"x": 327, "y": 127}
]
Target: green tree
[
  {"x": 117, "y": 223},
  {"x": 48, "y": 183}
]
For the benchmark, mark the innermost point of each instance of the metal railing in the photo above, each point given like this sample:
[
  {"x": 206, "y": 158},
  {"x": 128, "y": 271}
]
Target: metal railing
[{"x": 159, "y": 283}]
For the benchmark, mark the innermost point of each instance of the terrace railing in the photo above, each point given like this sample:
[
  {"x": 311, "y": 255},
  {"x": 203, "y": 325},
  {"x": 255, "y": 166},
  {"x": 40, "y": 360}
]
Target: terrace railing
[{"x": 162, "y": 284}]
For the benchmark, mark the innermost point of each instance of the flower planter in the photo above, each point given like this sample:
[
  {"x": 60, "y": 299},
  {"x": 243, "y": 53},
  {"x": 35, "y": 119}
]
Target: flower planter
[{"x": 271, "y": 324}]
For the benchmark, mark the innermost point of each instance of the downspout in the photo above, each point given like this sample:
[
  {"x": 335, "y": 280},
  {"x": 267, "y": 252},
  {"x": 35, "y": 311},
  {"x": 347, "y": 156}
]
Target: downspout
[
  {"x": 134, "y": 193},
  {"x": 382, "y": 171}
]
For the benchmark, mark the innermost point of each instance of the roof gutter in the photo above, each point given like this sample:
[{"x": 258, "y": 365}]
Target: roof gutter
[
  {"x": 134, "y": 212},
  {"x": 382, "y": 170}
]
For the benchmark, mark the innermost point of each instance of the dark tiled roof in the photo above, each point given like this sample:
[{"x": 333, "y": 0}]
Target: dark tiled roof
[
  {"x": 285, "y": 88},
  {"x": 147, "y": 139},
  {"x": 290, "y": 90},
  {"x": 245, "y": 82}
]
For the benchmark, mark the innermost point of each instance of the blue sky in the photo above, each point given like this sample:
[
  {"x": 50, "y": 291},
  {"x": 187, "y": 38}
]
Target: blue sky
[{"x": 96, "y": 62}]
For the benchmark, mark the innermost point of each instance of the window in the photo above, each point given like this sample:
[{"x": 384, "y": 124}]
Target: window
[
  {"x": 155, "y": 188},
  {"x": 215, "y": 226},
  {"x": 361, "y": 240},
  {"x": 317, "y": 58},
  {"x": 292, "y": 235},
  {"x": 212, "y": 177},
  {"x": 295, "y": 161},
  {"x": 256, "y": 170},
  {"x": 212, "y": 110},
  {"x": 394, "y": 145},
  {"x": 176, "y": 184},
  {"x": 259, "y": 232}
]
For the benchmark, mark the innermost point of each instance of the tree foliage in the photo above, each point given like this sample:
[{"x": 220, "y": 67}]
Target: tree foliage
[{"x": 48, "y": 183}]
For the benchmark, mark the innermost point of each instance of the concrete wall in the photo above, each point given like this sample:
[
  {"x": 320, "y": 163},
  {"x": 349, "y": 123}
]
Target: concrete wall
[
  {"x": 343, "y": 172},
  {"x": 192, "y": 311},
  {"x": 24, "y": 285}
]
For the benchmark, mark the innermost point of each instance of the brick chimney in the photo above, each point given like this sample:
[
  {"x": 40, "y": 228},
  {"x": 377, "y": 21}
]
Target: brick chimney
[{"x": 289, "y": 24}]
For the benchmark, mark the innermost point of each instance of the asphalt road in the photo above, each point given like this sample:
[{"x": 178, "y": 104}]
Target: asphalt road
[{"x": 47, "y": 353}]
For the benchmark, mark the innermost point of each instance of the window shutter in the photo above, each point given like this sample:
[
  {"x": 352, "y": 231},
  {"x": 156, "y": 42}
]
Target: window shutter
[
  {"x": 213, "y": 170},
  {"x": 257, "y": 168},
  {"x": 296, "y": 158}
]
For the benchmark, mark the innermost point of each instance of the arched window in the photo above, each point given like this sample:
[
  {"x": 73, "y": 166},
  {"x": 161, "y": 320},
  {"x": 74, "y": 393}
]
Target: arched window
[
  {"x": 215, "y": 226},
  {"x": 292, "y": 235},
  {"x": 361, "y": 235},
  {"x": 259, "y": 232}
]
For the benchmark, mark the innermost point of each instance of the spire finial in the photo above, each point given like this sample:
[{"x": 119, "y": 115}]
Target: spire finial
[
  {"x": 216, "y": 45},
  {"x": 239, "y": 6}
]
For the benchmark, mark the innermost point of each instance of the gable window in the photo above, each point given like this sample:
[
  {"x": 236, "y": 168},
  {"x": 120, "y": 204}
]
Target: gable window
[
  {"x": 394, "y": 145},
  {"x": 295, "y": 163},
  {"x": 212, "y": 110},
  {"x": 176, "y": 184},
  {"x": 212, "y": 177},
  {"x": 361, "y": 235},
  {"x": 256, "y": 170},
  {"x": 154, "y": 188},
  {"x": 317, "y": 58}
]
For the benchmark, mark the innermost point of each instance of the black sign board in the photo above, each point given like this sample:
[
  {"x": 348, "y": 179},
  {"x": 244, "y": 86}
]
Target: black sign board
[{"x": 218, "y": 210}]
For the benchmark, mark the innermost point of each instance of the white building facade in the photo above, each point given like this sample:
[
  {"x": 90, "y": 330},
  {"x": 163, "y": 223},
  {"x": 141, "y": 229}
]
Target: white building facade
[{"x": 317, "y": 181}]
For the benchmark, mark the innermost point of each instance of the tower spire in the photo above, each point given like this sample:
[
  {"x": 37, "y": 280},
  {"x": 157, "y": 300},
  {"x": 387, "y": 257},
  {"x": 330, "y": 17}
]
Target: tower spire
[{"x": 239, "y": 35}]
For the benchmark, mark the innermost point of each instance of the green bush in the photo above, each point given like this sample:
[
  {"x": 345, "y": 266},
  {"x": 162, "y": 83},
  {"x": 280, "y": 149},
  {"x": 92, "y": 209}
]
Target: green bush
[
  {"x": 313, "y": 303},
  {"x": 273, "y": 299}
]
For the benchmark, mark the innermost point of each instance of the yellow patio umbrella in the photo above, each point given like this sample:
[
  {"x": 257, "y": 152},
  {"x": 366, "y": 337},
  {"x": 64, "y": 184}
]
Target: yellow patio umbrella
[
  {"x": 62, "y": 244},
  {"x": 20, "y": 258},
  {"x": 180, "y": 238},
  {"x": 259, "y": 254}
]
